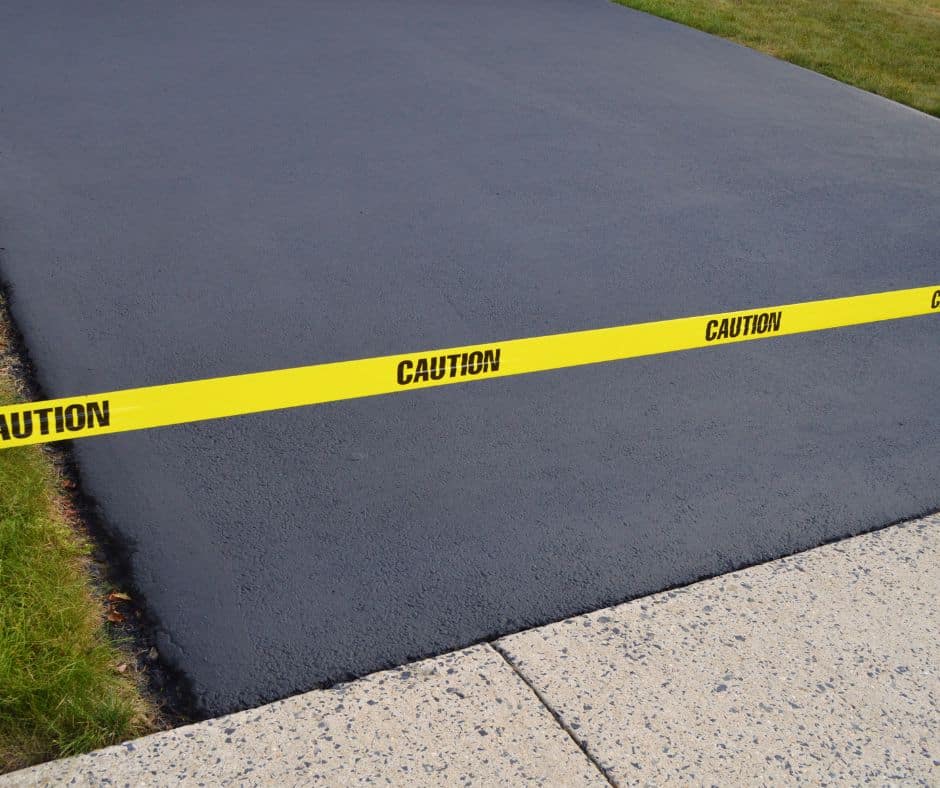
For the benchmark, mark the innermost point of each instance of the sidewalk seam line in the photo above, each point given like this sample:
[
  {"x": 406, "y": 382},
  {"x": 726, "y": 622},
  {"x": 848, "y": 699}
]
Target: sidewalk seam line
[{"x": 555, "y": 715}]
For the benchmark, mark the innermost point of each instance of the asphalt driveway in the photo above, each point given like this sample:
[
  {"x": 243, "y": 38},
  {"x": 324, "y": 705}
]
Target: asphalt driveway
[{"x": 198, "y": 189}]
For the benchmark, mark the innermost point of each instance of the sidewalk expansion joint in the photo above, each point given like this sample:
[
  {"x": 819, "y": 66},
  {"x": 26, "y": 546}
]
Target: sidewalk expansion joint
[{"x": 562, "y": 724}]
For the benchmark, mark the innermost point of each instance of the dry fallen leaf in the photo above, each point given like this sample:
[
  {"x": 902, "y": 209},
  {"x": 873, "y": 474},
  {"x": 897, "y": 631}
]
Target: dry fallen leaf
[
  {"x": 114, "y": 617},
  {"x": 122, "y": 667},
  {"x": 118, "y": 596}
]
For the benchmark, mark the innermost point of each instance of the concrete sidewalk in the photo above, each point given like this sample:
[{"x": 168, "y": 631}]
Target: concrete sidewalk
[{"x": 820, "y": 667}]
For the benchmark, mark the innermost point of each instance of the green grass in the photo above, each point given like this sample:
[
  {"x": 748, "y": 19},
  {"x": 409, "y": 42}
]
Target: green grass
[
  {"x": 889, "y": 47},
  {"x": 61, "y": 692}
]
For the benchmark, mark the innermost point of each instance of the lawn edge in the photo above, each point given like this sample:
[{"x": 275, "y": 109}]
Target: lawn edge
[
  {"x": 629, "y": 5},
  {"x": 89, "y": 565}
]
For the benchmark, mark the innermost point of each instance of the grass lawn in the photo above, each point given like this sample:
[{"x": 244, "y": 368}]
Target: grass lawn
[
  {"x": 889, "y": 47},
  {"x": 62, "y": 689}
]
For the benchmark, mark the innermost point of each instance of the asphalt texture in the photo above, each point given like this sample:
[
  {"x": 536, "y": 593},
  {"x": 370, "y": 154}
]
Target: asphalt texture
[{"x": 199, "y": 189}]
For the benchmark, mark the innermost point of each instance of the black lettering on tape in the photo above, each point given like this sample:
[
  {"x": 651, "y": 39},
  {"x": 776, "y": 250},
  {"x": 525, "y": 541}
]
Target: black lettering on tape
[
  {"x": 21, "y": 424},
  {"x": 100, "y": 413},
  {"x": 73, "y": 418},
  {"x": 421, "y": 370},
  {"x": 438, "y": 367},
  {"x": 743, "y": 326},
  {"x": 43, "y": 414},
  {"x": 491, "y": 360},
  {"x": 404, "y": 375},
  {"x": 425, "y": 369}
]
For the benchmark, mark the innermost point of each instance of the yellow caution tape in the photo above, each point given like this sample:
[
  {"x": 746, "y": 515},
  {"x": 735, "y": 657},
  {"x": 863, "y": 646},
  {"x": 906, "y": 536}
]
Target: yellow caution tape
[{"x": 214, "y": 398}]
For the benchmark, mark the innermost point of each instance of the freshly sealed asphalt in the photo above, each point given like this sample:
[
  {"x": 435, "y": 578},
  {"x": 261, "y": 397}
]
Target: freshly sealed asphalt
[{"x": 198, "y": 189}]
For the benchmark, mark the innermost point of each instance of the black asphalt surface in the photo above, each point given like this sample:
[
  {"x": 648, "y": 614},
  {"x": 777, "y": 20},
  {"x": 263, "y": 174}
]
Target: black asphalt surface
[{"x": 198, "y": 189}]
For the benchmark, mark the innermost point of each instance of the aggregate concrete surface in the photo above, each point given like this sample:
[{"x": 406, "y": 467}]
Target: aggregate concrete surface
[
  {"x": 192, "y": 189},
  {"x": 817, "y": 669}
]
